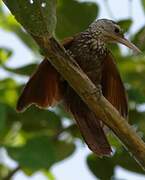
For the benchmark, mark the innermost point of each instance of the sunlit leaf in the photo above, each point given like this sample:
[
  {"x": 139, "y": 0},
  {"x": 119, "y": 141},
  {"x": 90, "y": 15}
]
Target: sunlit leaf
[
  {"x": 4, "y": 170},
  {"x": 8, "y": 23},
  {"x": 5, "y": 53},
  {"x": 8, "y": 91}
]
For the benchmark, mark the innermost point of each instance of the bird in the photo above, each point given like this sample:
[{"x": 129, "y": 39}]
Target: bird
[{"x": 46, "y": 87}]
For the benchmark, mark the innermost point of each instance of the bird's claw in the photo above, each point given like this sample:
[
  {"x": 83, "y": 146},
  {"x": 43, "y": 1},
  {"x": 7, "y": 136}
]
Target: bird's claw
[{"x": 98, "y": 92}]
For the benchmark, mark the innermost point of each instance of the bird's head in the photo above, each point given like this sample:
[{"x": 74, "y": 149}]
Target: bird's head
[{"x": 110, "y": 32}]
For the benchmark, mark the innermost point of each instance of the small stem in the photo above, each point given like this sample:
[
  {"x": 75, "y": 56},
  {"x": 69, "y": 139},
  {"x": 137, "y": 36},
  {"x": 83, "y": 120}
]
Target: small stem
[
  {"x": 110, "y": 13},
  {"x": 11, "y": 174},
  {"x": 130, "y": 8}
]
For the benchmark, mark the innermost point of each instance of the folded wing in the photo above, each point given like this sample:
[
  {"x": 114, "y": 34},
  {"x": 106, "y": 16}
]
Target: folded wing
[{"x": 112, "y": 86}]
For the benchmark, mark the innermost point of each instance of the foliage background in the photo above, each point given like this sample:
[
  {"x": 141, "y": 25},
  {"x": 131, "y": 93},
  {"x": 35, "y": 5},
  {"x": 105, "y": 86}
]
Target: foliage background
[{"x": 38, "y": 139}]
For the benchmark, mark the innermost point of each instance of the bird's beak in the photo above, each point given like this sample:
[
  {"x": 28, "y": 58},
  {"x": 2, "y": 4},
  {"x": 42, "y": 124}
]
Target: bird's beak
[
  {"x": 127, "y": 43},
  {"x": 121, "y": 39}
]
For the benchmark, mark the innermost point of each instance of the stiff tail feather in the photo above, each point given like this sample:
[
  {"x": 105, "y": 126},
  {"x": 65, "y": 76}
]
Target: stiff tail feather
[
  {"x": 89, "y": 125},
  {"x": 93, "y": 134},
  {"x": 42, "y": 89}
]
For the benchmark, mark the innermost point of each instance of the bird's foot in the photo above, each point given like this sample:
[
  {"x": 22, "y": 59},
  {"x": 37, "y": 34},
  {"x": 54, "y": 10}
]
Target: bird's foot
[{"x": 98, "y": 92}]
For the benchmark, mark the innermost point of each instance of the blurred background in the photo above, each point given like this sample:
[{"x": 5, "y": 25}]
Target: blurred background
[{"x": 45, "y": 144}]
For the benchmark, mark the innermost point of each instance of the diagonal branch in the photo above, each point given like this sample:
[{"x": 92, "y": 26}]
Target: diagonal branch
[{"x": 88, "y": 92}]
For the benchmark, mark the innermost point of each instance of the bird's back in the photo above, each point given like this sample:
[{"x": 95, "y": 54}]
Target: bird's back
[{"x": 89, "y": 54}]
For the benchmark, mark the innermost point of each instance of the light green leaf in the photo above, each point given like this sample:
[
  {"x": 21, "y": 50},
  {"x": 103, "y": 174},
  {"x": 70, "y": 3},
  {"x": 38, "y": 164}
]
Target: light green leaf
[
  {"x": 5, "y": 53},
  {"x": 8, "y": 91}
]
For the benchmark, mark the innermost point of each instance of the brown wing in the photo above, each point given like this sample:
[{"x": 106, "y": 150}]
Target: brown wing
[
  {"x": 42, "y": 89},
  {"x": 112, "y": 86}
]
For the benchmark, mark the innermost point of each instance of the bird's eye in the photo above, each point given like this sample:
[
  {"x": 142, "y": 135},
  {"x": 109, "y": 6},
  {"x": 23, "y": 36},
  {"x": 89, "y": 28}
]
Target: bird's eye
[{"x": 117, "y": 30}]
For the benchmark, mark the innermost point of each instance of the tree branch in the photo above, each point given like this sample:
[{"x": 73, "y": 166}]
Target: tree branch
[{"x": 88, "y": 92}]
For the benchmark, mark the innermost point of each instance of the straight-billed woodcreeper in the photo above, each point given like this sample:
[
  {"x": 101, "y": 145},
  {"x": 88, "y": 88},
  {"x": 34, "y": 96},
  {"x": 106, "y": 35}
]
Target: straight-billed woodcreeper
[{"x": 46, "y": 87}]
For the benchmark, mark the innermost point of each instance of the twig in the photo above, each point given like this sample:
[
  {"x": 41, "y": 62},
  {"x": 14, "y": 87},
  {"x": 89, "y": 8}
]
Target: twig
[
  {"x": 11, "y": 174},
  {"x": 130, "y": 8},
  {"x": 88, "y": 92},
  {"x": 110, "y": 13}
]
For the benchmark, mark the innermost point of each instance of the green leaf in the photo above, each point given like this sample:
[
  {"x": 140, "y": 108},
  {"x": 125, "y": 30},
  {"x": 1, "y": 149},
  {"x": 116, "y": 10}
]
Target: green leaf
[
  {"x": 143, "y": 4},
  {"x": 127, "y": 162},
  {"x": 36, "y": 154},
  {"x": 40, "y": 152},
  {"x": 43, "y": 120},
  {"x": 8, "y": 91},
  {"x": 139, "y": 39},
  {"x": 4, "y": 170},
  {"x": 36, "y": 120},
  {"x": 2, "y": 117},
  {"x": 49, "y": 175},
  {"x": 63, "y": 150},
  {"x": 136, "y": 95},
  {"x": 74, "y": 131},
  {"x": 5, "y": 54},
  {"x": 103, "y": 168},
  {"x": 74, "y": 16},
  {"x": 133, "y": 70},
  {"x": 125, "y": 24},
  {"x": 37, "y": 17},
  {"x": 8, "y": 23},
  {"x": 25, "y": 70}
]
